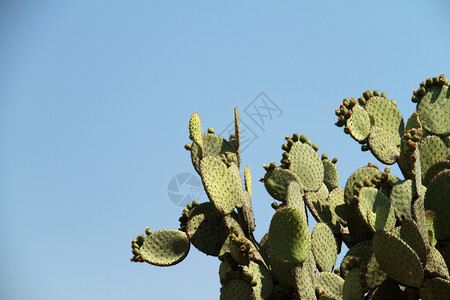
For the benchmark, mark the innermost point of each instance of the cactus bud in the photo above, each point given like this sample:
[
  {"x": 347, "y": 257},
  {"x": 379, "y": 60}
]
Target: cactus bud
[{"x": 367, "y": 94}]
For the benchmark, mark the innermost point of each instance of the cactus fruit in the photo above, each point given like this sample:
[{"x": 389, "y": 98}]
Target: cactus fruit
[{"x": 397, "y": 230}]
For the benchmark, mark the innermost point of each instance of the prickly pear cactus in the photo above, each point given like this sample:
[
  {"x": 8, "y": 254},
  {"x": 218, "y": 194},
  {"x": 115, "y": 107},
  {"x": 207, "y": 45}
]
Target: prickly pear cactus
[{"x": 397, "y": 230}]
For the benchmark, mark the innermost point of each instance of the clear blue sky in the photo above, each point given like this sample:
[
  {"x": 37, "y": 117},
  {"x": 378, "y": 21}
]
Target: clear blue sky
[{"x": 95, "y": 98}]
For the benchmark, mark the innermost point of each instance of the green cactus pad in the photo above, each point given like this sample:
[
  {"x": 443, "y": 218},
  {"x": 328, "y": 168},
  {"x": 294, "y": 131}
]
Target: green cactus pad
[
  {"x": 195, "y": 130},
  {"x": 237, "y": 289},
  {"x": 397, "y": 259},
  {"x": 370, "y": 199},
  {"x": 248, "y": 180},
  {"x": 324, "y": 247},
  {"x": 409, "y": 232},
  {"x": 282, "y": 271},
  {"x": 357, "y": 254},
  {"x": 432, "y": 150},
  {"x": 436, "y": 263},
  {"x": 213, "y": 145},
  {"x": 337, "y": 204},
  {"x": 306, "y": 163},
  {"x": 264, "y": 283},
  {"x": 331, "y": 175},
  {"x": 435, "y": 288},
  {"x": 433, "y": 109},
  {"x": 304, "y": 278},
  {"x": 386, "y": 115},
  {"x": 358, "y": 176},
  {"x": 361, "y": 256},
  {"x": 330, "y": 284},
  {"x": 401, "y": 198},
  {"x": 324, "y": 210},
  {"x": 294, "y": 197},
  {"x": 438, "y": 201},
  {"x": 373, "y": 275},
  {"x": 289, "y": 235},
  {"x": 277, "y": 181},
  {"x": 323, "y": 191},
  {"x": 413, "y": 122},
  {"x": 359, "y": 123},
  {"x": 162, "y": 248},
  {"x": 206, "y": 230},
  {"x": 245, "y": 213},
  {"x": 237, "y": 136},
  {"x": 384, "y": 144},
  {"x": 351, "y": 288},
  {"x": 434, "y": 170},
  {"x": 357, "y": 224},
  {"x": 377, "y": 219},
  {"x": 223, "y": 188}
]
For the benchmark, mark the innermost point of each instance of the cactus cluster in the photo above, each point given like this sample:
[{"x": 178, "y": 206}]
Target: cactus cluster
[{"x": 397, "y": 230}]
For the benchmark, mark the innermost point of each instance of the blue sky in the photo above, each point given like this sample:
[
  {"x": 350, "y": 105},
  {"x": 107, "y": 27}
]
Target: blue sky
[{"x": 95, "y": 102}]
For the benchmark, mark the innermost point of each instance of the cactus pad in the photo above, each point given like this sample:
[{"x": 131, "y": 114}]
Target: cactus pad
[
  {"x": 433, "y": 105},
  {"x": 436, "y": 263},
  {"x": 437, "y": 200},
  {"x": 435, "y": 288},
  {"x": 324, "y": 247},
  {"x": 359, "y": 123},
  {"x": 213, "y": 145},
  {"x": 352, "y": 286},
  {"x": 413, "y": 122},
  {"x": 205, "y": 229},
  {"x": 433, "y": 149},
  {"x": 384, "y": 144},
  {"x": 372, "y": 200},
  {"x": 289, "y": 235},
  {"x": 162, "y": 248},
  {"x": 294, "y": 197},
  {"x": 248, "y": 180},
  {"x": 223, "y": 188},
  {"x": 397, "y": 259},
  {"x": 359, "y": 175},
  {"x": 401, "y": 198},
  {"x": 237, "y": 289},
  {"x": 277, "y": 181},
  {"x": 330, "y": 284},
  {"x": 331, "y": 175},
  {"x": 386, "y": 115},
  {"x": 304, "y": 277},
  {"x": 195, "y": 130},
  {"x": 306, "y": 163},
  {"x": 409, "y": 232}
]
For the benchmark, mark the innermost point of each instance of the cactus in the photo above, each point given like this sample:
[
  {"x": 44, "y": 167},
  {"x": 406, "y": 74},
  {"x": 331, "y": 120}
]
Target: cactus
[{"x": 397, "y": 230}]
